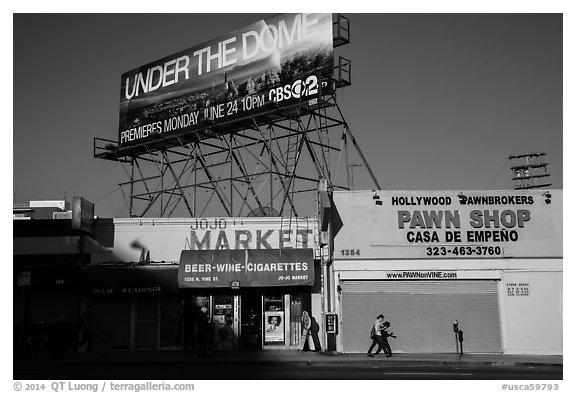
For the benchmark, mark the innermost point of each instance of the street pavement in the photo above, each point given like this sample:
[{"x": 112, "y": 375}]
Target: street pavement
[{"x": 287, "y": 364}]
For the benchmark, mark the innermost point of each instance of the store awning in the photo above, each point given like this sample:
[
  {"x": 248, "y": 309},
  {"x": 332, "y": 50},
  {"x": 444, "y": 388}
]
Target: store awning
[
  {"x": 246, "y": 268},
  {"x": 129, "y": 279}
]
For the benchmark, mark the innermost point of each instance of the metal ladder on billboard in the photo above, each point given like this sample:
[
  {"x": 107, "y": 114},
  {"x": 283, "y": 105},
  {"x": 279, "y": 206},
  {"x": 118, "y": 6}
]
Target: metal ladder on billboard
[
  {"x": 287, "y": 226},
  {"x": 321, "y": 120},
  {"x": 292, "y": 147}
]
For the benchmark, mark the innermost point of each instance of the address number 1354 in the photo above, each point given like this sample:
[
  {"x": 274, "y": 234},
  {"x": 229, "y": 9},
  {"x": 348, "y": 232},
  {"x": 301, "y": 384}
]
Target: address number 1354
[{"x": 350, "y": 252}]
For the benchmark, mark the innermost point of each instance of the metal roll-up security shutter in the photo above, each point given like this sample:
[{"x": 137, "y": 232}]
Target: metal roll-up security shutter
[{"x": 421, "y": 314}]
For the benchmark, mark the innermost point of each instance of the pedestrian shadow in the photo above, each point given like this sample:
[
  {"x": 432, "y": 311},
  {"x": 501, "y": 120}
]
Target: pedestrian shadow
[{"x": 314, "y": 333}]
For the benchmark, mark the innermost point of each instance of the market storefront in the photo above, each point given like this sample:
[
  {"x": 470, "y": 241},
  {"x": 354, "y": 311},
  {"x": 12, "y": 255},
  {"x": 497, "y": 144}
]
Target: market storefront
[
  {"x": 491, "y": 260},
  {"x": 263, "y": 293},
  {"x": 248, "y": 320},
  {"x": 251, "y": 277}
]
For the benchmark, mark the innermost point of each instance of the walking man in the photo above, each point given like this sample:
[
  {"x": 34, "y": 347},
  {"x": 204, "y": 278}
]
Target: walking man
[
  {"x": 386, "y": 332},
  {"x": 377, "y": 335}
]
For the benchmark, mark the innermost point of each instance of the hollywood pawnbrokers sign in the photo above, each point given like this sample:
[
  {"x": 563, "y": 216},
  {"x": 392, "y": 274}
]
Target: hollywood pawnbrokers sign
[{"x": 448, "y": 224}]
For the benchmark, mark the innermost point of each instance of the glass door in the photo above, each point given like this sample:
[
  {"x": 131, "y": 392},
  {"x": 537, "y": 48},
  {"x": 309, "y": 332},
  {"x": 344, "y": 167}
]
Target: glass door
[
  {"x": 251, "y": 321},
  {"x": 295, "y": 319},
  {"x": 223, "y": 318}
]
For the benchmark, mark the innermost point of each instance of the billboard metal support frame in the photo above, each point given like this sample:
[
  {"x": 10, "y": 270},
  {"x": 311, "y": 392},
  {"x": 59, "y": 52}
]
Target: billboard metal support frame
[{"x": 267, "y": 151}]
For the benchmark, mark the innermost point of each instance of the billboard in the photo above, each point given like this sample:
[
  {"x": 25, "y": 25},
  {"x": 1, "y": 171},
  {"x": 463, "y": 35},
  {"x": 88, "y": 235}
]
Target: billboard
[
  {"x": 279, "y": 60},
  {"x": 449, "y": 224}
]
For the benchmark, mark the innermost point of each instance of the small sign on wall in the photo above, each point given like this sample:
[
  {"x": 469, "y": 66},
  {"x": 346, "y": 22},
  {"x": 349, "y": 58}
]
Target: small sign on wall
[
  {"x": 274, "y": 327},
  {"x": 24, "y": 279},
  {"x": 332, "y": 323},
  {"x": 518, "y": 289}
]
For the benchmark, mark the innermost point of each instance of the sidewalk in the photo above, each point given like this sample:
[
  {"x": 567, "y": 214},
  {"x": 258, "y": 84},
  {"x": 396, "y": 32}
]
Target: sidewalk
[{"x": 305, "y": 357}]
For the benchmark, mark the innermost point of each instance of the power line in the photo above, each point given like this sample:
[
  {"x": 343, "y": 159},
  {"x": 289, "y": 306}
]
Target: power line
[
  {"x": 504, "y": 165},
  {"x": 110, "y": 193}
]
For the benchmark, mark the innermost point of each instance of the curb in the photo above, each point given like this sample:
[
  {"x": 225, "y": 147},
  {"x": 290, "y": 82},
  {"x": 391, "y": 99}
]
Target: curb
[
  {"x": 322, "y": 361},
  {"x": 431, "y": 363}
]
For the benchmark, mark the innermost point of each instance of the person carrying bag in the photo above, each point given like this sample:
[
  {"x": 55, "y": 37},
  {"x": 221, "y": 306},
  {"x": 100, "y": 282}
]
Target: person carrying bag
[{"x": 376, "y": 335}]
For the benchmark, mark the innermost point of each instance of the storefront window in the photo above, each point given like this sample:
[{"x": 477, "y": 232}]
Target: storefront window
[
  {"x": 111, "y": 319},
  {"x": 171, "y": 323},
  {"x": 273, "y": 320},
  {"x": 146, "y": 322},
  {"x": 222, "y": 313}
]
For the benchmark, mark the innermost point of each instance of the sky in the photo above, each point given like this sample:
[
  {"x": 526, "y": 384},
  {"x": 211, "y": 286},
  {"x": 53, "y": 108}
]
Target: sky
[{"x": 437, "y": 101}]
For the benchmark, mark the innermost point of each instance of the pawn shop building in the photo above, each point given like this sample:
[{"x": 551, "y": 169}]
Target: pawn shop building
[{"x": 491, "y": 260}]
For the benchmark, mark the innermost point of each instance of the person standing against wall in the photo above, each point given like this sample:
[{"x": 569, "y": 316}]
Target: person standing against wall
[
  {"x": 203, "y": 331},
  {"x": 85, "y": 328}
]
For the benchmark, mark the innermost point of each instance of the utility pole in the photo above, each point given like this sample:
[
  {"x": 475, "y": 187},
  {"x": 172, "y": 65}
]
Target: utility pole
[{"x": 528, "y": 170}]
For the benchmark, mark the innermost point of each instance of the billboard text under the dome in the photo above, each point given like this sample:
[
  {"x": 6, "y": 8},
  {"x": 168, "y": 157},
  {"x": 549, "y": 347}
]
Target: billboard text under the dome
[{"x": 279, "y": 60}]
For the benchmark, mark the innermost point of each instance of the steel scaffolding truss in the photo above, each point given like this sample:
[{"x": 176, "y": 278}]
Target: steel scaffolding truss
[{"x": 269, "y": 165}]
